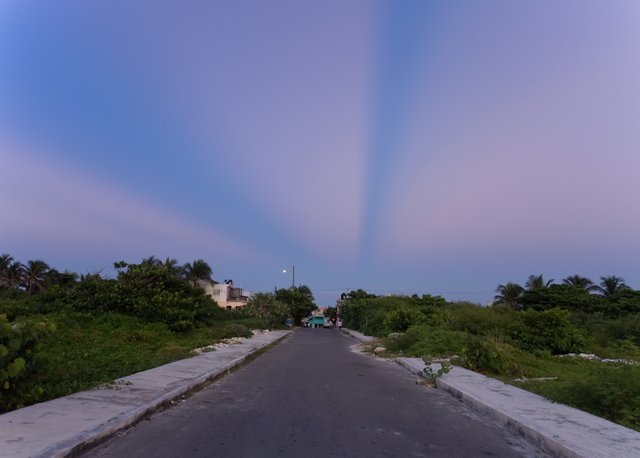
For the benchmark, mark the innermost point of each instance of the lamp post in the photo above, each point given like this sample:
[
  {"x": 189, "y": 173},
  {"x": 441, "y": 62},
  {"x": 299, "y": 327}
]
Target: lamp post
[{"x": 293, "y": 276}]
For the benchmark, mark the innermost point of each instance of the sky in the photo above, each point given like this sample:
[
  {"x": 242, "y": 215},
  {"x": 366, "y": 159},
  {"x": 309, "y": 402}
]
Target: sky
[{"x": 399, "y": 147}]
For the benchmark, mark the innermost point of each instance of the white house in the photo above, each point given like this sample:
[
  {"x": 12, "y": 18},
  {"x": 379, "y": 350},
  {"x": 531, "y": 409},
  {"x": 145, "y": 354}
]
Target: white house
[{"x": 225, "y": 294}]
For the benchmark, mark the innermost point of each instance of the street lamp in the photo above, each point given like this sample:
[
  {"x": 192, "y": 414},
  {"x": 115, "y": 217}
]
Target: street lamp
[{"x": 293, "y": 276}]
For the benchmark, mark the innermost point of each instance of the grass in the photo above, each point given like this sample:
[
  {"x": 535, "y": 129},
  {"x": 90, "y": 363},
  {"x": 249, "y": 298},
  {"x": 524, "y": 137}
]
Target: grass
[
  {"x": 607, "y": 390},
  {"x": 87, "y": 350}
]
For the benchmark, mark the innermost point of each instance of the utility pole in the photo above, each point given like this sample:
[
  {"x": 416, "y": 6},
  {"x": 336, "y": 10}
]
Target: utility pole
[{"x": 293, "y": 277}]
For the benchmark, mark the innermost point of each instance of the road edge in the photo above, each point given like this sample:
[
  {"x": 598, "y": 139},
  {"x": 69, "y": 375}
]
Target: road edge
[
  {"x": 549, "y": 440},
  {"x": 89, "y": 439}
]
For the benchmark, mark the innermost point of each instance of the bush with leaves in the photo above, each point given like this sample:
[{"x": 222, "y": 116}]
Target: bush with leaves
[
  {"x": 17, "y": 366},
  {"x": 549, "y": 330},
  {"x": 622, "y": 303},
  {"x": 265, "y": 306},
  {"x": 485, "y": 355},
  {"x": 151, "y": 292},
  {"x": 299, "y": 301},
  {"x": 401, "y": 319},
  {"x": 481, "y": 320},
  {"x": 427, "y": 340},
  {"x": 561, "y": 296},
  {"x": 235, "y": 330}
]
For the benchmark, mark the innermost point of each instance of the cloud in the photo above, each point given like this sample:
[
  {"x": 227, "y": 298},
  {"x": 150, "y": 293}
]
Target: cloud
[{"x": 54, "y": 207}]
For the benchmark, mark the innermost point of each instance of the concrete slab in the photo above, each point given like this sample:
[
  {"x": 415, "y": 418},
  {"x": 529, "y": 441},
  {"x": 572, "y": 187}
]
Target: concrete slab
[
  {"x": 563, "y": 430},
  {"x": 60, "y": 426}
]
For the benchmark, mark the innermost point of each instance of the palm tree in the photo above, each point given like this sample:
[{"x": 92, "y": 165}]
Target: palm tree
[
  {"x": 580, "y": 282},
  {"x": 12, "y": 273},
  {"x": 509, "y": 294},
  {"x": 151, "y": 261},
  {"x": 173, "y": 266},
  {"x": 34, "y": 275},
  {"x": 15, "y": 275},
  {"x": 537, "y": 282},
  {"x": 611, "y": 285},
  {"x": 198, "y": 270},
  {"x": 5, "y": 263},
  {"x": 64, "y": 279}
]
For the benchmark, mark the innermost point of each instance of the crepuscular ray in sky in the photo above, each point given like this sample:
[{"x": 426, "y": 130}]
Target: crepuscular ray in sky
[
  {"x": 396, "y": 146},
  {"x": 55, "y": 209},
  {"x": 531, "y": 151},
  {"x": 274, "y": 109}
]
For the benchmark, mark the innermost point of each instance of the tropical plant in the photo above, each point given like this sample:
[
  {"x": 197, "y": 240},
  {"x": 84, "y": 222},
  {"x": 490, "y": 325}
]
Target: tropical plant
[
  {"x": 17, "y": 343},
  {"x": 14, "y": 275},
  {"x": 5, "y": 262},
  {"x": 537, "y": 282},
  {"x": 580, "y": 282},
  {"x": 11, "y": 272},
  {"x": 34, "y": 275},
  {"x": 64, "y": 279},
  {"x": 173, "y": 266},
  {"x": 611, "y": 285},
  {"x": 150, "y": 292},
  {"x": 151, "y": 261},
  {"x": 561, "y": 295},
  {"x": 509, "y": 294},
  {"x": 197, "y": 270},
  {"x": 431, "y": 374}
]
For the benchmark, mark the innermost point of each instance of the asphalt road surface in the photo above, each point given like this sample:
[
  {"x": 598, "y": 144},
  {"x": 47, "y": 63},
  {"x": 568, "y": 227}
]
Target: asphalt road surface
[{"x": 313, "y": 395}]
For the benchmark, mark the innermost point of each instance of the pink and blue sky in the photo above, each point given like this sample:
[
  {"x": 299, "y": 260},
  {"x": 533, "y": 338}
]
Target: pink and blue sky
[{"x": 400, "y": 147}]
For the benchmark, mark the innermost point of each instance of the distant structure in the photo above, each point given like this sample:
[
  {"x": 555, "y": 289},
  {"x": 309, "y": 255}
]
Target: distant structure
[
  {"x": 225, "y": 294},
  {"x": 317, "y": 318}
]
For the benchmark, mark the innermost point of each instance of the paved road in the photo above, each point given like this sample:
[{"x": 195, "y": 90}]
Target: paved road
[{"x": 314, "y": 396}]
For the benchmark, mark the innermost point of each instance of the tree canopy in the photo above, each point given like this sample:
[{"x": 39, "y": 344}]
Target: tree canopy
[{"x": 299, "y": 300}]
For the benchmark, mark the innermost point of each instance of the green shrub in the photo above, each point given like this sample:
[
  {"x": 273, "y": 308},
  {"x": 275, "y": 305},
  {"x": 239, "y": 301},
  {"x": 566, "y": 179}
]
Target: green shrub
[
  {"x": 561, "y": 296},
  {"x": 605, "y": 331},
  {"x": 150, "y": 292},
  {"x": 481, "y": 320},
  {"x": 485, "y": 355},
  {"x": 15, "y": 308},
  {"x": 549, "y": 330},
  {"x": 266, "y": 308},
  {"x": 235, "y": 330},
  {"x": 426, "y": 340},
  {"x": 374, "y": 323},
  {"x": 400, "y": 320},
  {"x": 17, "y": 366}
]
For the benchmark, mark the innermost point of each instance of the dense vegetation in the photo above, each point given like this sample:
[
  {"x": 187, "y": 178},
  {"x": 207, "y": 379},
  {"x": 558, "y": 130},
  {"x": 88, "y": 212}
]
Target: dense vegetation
[
  {"x": 525, "y": 335},
  {"x": 60, "y": 332}
]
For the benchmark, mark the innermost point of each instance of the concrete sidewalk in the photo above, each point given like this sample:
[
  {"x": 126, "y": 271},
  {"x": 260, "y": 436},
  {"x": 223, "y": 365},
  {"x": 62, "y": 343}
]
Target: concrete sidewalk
[
  {"x": 562, "y": 430},
  {"x": 61, "y": 426}
]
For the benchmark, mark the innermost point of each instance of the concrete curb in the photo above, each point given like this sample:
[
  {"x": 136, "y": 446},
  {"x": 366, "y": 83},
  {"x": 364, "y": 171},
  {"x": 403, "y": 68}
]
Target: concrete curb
[
  {"x": 358, "y": 335},
  {"x": 413, "y": 365},
  {"x": 86, "y": 439},
  {"x": 115, "y": 425},
  {"x": 89, "y": 437},
  {"x": 544, "y": 439},
  {"x": 560, "y": 429}
]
